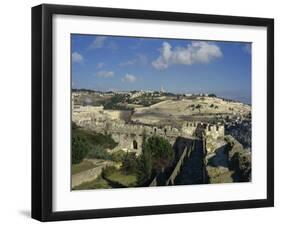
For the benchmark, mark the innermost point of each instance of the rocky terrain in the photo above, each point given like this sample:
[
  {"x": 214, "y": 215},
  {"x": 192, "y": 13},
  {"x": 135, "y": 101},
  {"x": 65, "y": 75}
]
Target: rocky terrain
[
  {"x": 242, "y": 131},
  {"x": 229, "y": 163}
]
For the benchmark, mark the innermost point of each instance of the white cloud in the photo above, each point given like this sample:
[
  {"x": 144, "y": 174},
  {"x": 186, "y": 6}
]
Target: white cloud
[
  {"x": 77, "y": 57},
  {"x": 129, "y": 78},
  {"x": 100, "y": 65},
  {"x": 194, "y": 53},
  {"x": 140, "y": 59},
  {"x": 105, "y": 74},
  {"x": 98, "y": 42}
]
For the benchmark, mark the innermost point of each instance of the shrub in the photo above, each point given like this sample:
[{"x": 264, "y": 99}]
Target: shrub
[
  {"x": 107, "y": 171},
  {"x": 98, "y": 139},
  {"x": 118, "y": 156},
  {"x": 98, "y": 152},
  {"x": 129, "y": 163}
]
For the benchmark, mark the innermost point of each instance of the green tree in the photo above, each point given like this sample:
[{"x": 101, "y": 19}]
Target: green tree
[
  {"x": 157, "y": 154},
  {"x": 94, "y": 145},
  {"x": 162, "y": 152},
  {"x": 80, "y": 148},
  {"x": 144, "y": 163}
]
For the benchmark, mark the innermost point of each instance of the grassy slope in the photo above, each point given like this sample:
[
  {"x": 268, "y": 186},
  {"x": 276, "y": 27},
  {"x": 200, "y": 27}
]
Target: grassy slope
[
  {"x": 124, "y": 179},
  {"x": 98, "y": 183},
  {"x": 101, "y": 183},
  {"x": 82, "y": 166}
]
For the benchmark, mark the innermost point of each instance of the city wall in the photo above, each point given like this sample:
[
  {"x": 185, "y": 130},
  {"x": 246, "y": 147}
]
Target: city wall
[{"x": 130, "y": 136}]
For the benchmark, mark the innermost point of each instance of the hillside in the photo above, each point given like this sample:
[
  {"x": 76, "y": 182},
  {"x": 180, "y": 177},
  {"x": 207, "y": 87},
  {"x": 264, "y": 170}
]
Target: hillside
[{"x": 194, "y": 109}]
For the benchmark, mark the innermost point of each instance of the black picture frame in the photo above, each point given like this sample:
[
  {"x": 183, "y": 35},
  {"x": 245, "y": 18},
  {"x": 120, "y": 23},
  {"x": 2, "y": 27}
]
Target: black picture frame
[{"x": 42, "y": 111}]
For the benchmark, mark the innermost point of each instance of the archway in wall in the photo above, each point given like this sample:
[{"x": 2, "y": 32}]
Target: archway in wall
[{"x": 135, "y": 144}]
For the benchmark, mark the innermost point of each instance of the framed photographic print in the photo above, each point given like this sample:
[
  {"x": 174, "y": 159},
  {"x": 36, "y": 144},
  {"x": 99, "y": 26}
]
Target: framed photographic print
[{"x": 145, "y": 112}]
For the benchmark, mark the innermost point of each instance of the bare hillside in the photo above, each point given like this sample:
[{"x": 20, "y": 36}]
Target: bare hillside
[{"x": 200, "y": 108}]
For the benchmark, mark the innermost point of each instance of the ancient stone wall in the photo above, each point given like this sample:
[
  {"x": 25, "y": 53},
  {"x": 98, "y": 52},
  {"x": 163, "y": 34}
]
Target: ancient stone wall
[
  {"x": 189, "y": 128},
  {"x": 214, "y": 135},
  {"x": 130, "y": 136},
  {"x": 215, "y": 131}
]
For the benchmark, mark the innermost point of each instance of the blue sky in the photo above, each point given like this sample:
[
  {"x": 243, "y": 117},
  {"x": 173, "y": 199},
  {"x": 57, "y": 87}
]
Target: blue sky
[{"x": 115, "y": 63}]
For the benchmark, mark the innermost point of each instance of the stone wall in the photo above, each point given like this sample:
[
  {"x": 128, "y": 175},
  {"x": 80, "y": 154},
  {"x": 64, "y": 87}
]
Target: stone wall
[
  {"x": 130, "y": 136},
  {"x": 214, "y": 135},
  {"x": 215, "y": 131},
  {"x": 189, "y": 128}
]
